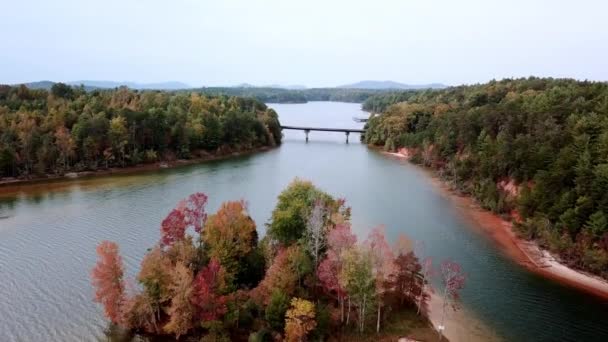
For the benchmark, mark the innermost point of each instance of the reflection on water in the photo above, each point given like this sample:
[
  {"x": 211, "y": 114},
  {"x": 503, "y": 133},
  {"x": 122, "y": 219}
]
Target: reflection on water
[{"x": 48, "y": 240}]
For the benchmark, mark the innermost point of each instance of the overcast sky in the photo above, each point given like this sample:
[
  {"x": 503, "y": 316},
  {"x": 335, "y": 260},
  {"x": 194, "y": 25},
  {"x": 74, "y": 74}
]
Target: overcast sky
[{"x": 312, "y": 42}]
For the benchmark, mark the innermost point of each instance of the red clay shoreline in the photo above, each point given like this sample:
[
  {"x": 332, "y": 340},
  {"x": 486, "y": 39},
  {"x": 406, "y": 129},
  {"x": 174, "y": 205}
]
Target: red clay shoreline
[
  {"x": 6, "y": 185},
  {"x": 526, "y": 253}
]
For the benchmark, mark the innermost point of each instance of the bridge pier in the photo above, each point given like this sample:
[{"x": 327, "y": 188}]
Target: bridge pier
[
  {"x": 347, "y": 133},
  {"x": 306, "y": 131}
]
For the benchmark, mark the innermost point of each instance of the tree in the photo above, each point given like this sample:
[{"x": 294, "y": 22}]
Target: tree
[
  {"x": 119, "y": 137},
  {"x": 382, "y": 264},
  {"x": 288, "y": 222},
  {"x": 181, "y": 310},
  {"x": 276, "y": 309},
  {"x": 65, "y": 145},
  {"x": 194, "y": 212},
  {"x": 339, "y": 240},
  {"x": 358, "y": 279},
  {"x": 284, "y": 274},
  {"x": 62, "y": 90},
  {"x": 107, "y": 278},
  {"x": 173, "y": 227},
  {"x": 207, "y": 298},
  {"x": 406, "y": 282},
  {"x": 299, "y": 320},
  {"x": 453, "y": 280},
  {"x": 156, "y": 276},
  {"x": 316, "y": 231},
  {"x": 229, "y": 236}
]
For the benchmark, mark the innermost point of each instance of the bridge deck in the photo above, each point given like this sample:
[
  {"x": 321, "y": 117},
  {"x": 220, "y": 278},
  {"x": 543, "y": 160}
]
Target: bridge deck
[{"x": 325, "y": 129}]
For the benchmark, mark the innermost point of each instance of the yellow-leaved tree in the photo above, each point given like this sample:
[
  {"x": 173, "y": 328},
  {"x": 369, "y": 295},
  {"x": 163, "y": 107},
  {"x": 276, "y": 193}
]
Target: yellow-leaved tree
[{"x": 300, "y": 320}]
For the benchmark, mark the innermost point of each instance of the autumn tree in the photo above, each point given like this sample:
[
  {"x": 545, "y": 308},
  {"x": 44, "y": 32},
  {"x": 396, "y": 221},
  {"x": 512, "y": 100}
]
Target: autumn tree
[
  {"x": 65, "y": 145},
  {"x": 406, "y": 282},
  {"x": 339, "y": 240},
  {"x": 207, "y": 296},
  {"x": 194, "y": 212},
  {"x": 299, "y": 320},
  {"x": 173, "y": 227},
  {"x": 156, "y": 277},
  {"x": 382, "y": 265},
  {"x": 229, "y": 236},
  {"x": 358, "y": 278},
  {"x": 107, "y": 278},
  {"x": 181, "y": 310},
  {"x": 285, "y": 274}
]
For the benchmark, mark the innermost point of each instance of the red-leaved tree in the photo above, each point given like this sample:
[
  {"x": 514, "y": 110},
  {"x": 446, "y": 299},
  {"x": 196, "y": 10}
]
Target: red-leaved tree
[
  {"x": 193, "y": 208},
  {"x": 206, "y": 296},
  {"x": 173, "y": 228},
  {"x": 107, "y": 278},
  {"x": 339, "y": 240},
  {"x": 189, "y": 213}
]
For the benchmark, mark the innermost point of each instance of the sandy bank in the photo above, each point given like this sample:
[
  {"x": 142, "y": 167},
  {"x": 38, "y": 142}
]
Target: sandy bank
[
  {"x": 460, "y": 325},
  {"x": 526, "y": 253}
]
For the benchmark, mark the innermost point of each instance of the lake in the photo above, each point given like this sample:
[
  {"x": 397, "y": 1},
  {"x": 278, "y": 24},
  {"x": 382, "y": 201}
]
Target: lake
[{"x": 48, "y": 232}]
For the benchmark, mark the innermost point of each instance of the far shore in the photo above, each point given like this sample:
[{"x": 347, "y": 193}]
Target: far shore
[
  {"x": 526, "y": 253},
  {"x": 7, "y": 184}
]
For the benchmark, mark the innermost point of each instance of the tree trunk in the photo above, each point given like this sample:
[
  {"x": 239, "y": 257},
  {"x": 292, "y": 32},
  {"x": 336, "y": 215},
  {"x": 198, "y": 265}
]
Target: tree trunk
[
  {"x": 341, "y": 310},
  {"x": 378, "y": 322},
  {"x": 362, "y": 318},
  {"x": 348, "y": 314},
  {"x": 420, "y": 299}
]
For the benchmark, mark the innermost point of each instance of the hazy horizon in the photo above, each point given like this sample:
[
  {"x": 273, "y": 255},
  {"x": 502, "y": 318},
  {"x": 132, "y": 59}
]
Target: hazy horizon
[{"x": 313, "y": 43}]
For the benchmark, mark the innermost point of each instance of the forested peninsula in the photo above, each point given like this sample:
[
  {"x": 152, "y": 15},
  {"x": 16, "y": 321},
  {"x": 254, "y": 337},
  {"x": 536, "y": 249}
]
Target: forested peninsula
[
  {"x": 533, "y": 149},
  {"x": 67, "y": 129},
  {"x": 209, "y": 278}
]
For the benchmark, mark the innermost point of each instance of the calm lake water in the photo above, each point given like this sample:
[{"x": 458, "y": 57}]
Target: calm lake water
[{"x": 48, "y": 233}]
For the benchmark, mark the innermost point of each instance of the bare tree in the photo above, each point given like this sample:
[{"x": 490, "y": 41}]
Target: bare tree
[{"x": 315, "y": 231}]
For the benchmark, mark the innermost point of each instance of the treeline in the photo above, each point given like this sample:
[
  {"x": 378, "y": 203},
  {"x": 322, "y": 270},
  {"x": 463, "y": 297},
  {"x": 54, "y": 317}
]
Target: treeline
[
  {"x": 380, "y": 102},
  {"x": 70, "y": 129},
  {"x": 211, "y": 279},
  {"x": 536, "y": 148},
  {"x": 280, "y": 95}
]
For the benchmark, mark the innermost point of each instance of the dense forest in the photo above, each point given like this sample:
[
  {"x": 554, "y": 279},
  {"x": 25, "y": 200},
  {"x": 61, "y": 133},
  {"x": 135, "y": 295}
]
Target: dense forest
[
  {"x": 536, "y": 149},
  {"x": 379, "y": 102},
  {"x": 280, "y": 95},
  {"x": 209, "y": 277},
  {"x": 69, "y": 129}
]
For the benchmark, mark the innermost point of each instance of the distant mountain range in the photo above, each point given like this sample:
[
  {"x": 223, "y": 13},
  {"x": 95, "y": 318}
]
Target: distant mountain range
[
  {"x": 276, "y": 86},
  {"x": 391, "y": 85},
  {"x": 173, "y": 85},
  {"x": 91, "y": 85}
]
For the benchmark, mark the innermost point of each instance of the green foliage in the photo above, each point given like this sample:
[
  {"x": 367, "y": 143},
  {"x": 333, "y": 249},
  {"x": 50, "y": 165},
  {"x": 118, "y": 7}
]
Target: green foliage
[
  {"x": 275, "y": 311},
  {"x": 548, "y": 137},
  {"x": 68, "y": 129},
  {"x": 262, "y": 335},
  {"x": 288, "y": 221}
]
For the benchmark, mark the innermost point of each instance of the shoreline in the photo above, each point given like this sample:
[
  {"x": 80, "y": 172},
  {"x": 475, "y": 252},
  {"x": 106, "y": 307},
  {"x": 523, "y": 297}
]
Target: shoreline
[
  {"x": 7, "y": 185},
  {"x": 526, "y": 253},
  {"x": 461, "y": 325}
]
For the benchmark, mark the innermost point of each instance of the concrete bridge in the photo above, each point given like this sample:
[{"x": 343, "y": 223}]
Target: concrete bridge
[{"x": 307, "y": 130}]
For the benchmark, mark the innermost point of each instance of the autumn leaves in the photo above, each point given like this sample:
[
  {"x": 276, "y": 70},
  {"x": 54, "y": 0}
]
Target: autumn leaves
[{"x": 308, "y": 278}]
